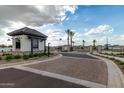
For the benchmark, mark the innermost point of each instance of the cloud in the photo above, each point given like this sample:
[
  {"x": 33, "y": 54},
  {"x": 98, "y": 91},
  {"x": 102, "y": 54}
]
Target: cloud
[
  {"x": 33, "y": 15},
  {"x": 101, "y": 29}
]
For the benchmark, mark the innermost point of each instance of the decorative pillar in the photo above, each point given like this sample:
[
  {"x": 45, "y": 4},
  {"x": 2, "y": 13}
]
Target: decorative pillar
[
  {"x": 99, "y": 49},
  {"x": 91, "y": 49}
]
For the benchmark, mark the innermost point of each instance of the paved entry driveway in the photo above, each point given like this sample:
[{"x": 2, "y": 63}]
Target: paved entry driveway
[
  {"x": 80, "y": 55},
  {"x": 82, "y": 67},
  {"x": 22, "y": 79}
]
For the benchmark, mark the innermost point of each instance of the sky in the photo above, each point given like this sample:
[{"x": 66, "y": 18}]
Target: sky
[{"x": 89, "y": 22}]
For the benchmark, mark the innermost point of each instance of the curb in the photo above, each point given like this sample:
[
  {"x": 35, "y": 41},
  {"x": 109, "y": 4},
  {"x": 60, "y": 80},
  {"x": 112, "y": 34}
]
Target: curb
[{"x": 115, "y": 76}]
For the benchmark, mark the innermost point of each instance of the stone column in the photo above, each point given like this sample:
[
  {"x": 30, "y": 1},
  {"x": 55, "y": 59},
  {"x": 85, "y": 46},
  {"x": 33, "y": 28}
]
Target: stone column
[
  {"x": 99, "y": 49},
  {"x": 91, "y": 49}
]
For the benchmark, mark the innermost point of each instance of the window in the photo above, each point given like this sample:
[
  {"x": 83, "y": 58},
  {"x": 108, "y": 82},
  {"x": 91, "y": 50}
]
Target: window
[
  {"x": 35, "y": 43},
  {"x": 18, "y": 45}
]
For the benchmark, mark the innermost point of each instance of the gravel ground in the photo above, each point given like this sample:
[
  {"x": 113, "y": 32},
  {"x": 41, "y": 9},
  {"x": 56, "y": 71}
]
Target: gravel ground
[
  {"x": 14, "y": 78},
  {"x": 90, "y": 69}
]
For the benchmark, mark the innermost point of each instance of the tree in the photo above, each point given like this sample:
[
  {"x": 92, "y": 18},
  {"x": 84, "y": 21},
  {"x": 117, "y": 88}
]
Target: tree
[
  {"x": 71, "y": 37},
  {"x": 73, "y": 43},
  {"x": 68, "y": 34},
  {"x": 83, "y": 43},
  {"x": 94, "y": 44}
]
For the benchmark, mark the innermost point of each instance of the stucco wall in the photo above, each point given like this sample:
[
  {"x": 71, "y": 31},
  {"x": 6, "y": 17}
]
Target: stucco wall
[
  {"x": 41, "y": 45},
  {"x": 26, "y": 44}
]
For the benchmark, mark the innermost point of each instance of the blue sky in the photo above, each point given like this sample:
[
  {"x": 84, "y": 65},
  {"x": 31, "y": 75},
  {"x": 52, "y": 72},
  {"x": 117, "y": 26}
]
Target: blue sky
[
  {"x": 89, "y": 22},
  {"x": 88, "y": 17}
]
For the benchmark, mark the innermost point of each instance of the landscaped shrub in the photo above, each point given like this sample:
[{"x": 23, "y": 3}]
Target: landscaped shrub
[
  {"x": 121, "y": 63},
  {"x": 116, "y": 60},
  {"x": 25, "y": 56},
  {"x": 9, "y": 57},
  {"x": 0, "y": 58},
  {"x": 30, "y": 55},
  {"x": 36, "y": 54},
  {"x": 5, "y": 54},
  {"x": 112, "y": 58},
  {"x": 106, "y": 53},
  {"x": 17, "y": 57}
]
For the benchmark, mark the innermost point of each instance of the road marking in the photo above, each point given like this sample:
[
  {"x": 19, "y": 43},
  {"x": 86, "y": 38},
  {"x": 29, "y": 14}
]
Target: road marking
[{"x": 63, "y": 77}]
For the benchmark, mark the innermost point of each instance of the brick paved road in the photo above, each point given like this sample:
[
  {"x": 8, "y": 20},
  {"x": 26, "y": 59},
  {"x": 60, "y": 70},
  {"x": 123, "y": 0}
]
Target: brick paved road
[{"x": 85, "y": 67}]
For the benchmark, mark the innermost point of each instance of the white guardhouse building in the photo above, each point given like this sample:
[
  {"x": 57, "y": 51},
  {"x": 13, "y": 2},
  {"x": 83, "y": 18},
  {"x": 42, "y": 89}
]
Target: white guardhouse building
[{"x": 28, "y": 40}]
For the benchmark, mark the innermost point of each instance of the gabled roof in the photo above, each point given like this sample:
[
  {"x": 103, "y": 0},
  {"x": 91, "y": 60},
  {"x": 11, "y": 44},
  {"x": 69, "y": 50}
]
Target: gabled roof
[{"x": 27, "y": 31}]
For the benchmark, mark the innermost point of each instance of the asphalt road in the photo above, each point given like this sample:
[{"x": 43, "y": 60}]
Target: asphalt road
[
  {"x": 80, "y": 55},
  {"x": 14, "y": 78}
]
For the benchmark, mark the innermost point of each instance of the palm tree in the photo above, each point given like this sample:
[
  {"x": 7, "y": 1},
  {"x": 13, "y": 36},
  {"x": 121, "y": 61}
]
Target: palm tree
[
  {"x": 60, "y": 47},
  {"x": 71, "y": 37},
  {"x": 94, "y": 44},
  {"x": 73, "y": 43},
  {"x": 83, "y": 43},
  {"x": 68, "y": 34}
]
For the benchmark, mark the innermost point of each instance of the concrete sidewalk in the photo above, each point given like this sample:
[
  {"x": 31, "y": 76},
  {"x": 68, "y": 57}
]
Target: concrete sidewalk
[{"x": 115, "y": 76}]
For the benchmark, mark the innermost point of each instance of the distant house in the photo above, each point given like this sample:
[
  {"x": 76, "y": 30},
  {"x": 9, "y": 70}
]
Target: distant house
[{"x": 27, "y": 39}]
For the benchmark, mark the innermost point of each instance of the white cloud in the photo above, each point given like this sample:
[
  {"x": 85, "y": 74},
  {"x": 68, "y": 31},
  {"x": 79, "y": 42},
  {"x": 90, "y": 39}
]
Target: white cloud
[
  {"x": 34, "y": 15},
  {"x": 37, "y": 17},
  {"x": 101, "y": 29}
]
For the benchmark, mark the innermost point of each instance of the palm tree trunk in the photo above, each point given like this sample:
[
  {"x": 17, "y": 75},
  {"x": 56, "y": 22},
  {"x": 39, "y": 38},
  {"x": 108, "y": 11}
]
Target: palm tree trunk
[
  {"x": 71, "y": 42},
  {"x": 68, "y": 41}
]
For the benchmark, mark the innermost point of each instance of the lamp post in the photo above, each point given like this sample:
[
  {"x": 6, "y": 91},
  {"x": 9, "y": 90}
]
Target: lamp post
[{"x": 48, "y": 49}]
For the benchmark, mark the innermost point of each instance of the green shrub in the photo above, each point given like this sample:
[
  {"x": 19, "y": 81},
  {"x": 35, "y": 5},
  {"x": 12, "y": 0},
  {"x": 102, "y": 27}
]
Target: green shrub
[
  {"x": 112, "y": 58},
  {"x": 5, "y": 54},
  {"x": 111, "y": 54},
  {"x": 46, "y": 54},
  {"x": 106, "y": 53},
  {"x": 121, "y": 63},
  {"x": 30, "y": 55},
  {"x": 9, "y": 57},
  {"x": 17, "y": 57},
  {"x": 0, "y": 58},
  {"x": 116, "y": 60},
  {"x": 25, "y": 57},
  {"x": 36, "y": 54}
]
